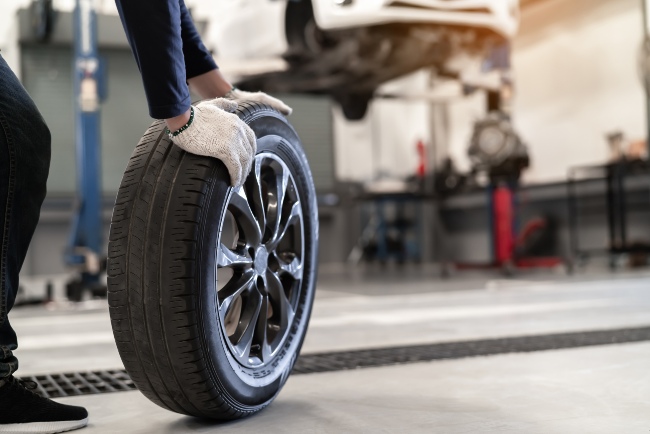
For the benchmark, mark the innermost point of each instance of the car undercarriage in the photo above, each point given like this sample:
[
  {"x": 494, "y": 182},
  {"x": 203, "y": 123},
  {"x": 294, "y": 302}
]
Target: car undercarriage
[{"x": 351, "y": 64}]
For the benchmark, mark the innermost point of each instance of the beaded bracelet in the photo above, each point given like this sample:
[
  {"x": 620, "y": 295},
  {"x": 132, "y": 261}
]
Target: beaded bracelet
[{"x": 184, "y": 127}]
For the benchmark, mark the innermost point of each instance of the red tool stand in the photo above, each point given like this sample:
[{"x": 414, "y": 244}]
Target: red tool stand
[
  {"x": 505, "y": 237},
  {"x": 499, "y": 152}
]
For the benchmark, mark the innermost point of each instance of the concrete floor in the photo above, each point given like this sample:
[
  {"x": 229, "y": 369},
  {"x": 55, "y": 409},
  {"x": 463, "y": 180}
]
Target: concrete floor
[
  {"x": 595, "y": 390},
  {"x": 592, "y": 390}
]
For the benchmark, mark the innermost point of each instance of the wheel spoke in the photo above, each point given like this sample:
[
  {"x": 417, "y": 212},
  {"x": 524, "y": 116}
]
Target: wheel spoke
[
  {"x": 261, "y": 340},
  {"x": 274, "y": 217},
  {"x": 248, "y": 326},
  {"x": 233, "y": 289},
  {"x": 276, "y": 290},
  {"x": 294, "y": 215},
  {"x": 241, "y": 210},
  {"x": 294, "y": 268},
  {"x": 254, "y": 190},
  {"x": 228, "y": 258}
]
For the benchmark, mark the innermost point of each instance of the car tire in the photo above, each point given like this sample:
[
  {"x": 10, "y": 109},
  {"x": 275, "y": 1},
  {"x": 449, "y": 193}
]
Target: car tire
[
  {"x": 304, "y": 37},
  {"x": 354, "y": 106},
  {"x": 184, "y": 254}
]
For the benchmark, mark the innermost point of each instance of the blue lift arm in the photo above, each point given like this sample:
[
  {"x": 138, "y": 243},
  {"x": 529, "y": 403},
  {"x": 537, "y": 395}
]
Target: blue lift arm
[{"x": 85, "y": 247}]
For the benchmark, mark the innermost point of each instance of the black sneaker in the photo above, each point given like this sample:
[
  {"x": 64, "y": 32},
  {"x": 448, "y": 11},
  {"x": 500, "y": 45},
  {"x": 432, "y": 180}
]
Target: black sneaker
[{"x": 24, "y": 411}]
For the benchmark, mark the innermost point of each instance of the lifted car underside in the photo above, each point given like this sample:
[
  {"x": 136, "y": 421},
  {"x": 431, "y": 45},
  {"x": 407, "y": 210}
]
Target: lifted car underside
[{"x": 351, "y": 64}]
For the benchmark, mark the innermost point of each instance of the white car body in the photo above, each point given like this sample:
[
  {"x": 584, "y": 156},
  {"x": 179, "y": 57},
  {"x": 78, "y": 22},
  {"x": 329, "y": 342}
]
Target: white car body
[
  {"x": 501, "y": 16},
  {"x": 234, "y": 19}
]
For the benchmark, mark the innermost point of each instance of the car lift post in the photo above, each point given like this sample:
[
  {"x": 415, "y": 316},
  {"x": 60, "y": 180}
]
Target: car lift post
[{"x": 84, "y": 250}]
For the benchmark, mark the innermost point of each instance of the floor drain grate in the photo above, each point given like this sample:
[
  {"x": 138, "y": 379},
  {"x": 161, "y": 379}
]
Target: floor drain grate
[
  {"x": 329, "y": 362},
  {"x": 88, "y": 383},
  {"x": 81, "y": 383}
]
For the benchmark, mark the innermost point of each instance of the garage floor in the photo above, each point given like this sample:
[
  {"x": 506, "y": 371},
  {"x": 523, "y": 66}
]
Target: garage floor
[{"x": 591, "y": 389}]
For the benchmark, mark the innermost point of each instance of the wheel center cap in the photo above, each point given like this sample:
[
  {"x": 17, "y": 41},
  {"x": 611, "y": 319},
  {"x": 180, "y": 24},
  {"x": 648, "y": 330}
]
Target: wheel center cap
[{"x": 261, "y": 260}]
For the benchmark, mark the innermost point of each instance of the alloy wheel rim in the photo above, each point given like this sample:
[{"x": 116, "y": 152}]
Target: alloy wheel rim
[{"x": 260, "y": 261}]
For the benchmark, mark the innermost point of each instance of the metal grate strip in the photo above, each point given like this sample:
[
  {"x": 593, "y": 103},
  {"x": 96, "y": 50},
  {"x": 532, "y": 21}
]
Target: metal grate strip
[
  {"x": 81, "y": 383},
  {"x": 328, "y": 362},
  {"x": 87, "y": 383}
]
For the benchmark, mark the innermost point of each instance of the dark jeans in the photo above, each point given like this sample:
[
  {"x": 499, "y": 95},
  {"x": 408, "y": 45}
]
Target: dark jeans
[{"x": 24, "y": 166}]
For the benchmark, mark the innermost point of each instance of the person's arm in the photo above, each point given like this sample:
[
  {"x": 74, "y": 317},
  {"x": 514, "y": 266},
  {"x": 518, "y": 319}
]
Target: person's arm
[
  {"x": 177, "y": 122},
  {"x": 207, "y": 81},
  {"x": 168, "y": 51},
  {"x": 202, "y": 73},
  {"x": 170, "y": 54},
  {"x": 211, "y": 84}
]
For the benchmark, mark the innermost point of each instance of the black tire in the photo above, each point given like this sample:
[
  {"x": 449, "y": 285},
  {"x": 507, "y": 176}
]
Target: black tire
[
  {"x": 354, "y": 106},
  {"x": 303, "y": 35},
  {"x": 165, "y": 308}
]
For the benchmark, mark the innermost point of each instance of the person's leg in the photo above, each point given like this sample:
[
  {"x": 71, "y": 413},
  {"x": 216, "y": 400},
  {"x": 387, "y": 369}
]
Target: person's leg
[{"x": 24, "y": 166}]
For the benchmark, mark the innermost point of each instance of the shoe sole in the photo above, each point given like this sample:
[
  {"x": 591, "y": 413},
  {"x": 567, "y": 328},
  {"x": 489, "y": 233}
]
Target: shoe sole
[{"x": 43, "y": 427}]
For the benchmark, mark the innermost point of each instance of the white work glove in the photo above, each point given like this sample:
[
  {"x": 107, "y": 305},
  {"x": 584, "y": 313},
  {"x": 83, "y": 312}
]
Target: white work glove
[
  {"x": 215, "y": 131},
  {"x": 241, "y": 95}
]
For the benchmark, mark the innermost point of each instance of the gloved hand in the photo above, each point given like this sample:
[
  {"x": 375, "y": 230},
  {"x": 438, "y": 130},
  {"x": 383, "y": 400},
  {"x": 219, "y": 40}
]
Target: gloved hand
[
  {"x": 240, "y": 95},
  {"x": 215, "y": 131}
]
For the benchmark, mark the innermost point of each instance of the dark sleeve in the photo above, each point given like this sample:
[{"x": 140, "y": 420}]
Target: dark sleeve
[
  {"x": 198, "y": 59},
  {"x": 161, "y": 35}
]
